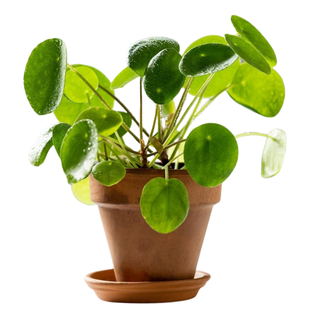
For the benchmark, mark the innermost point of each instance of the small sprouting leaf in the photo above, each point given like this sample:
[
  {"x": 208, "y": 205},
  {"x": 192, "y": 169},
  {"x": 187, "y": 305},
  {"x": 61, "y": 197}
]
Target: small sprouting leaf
[
  {"x": 248, "y": 53},
  {"x": 210, "y": 154},
  {"x": 164, "y": 204},
  {"x": 157, "y": 144},
  {"x": 206, "y": 59},
  {"x": 109, "y": 173},
  {"x": 123, "y": 78},
  {"x": 81, "y": 190},
  {"x": 58, "y": 134},
  {"x": 44, "y": 76},
  {"x": 163, "y": 79},
  {"x": 41, "y": 147},
  {"x": 273, "y": 153},
  {"x": 127, "y": 120},
  {"x": 142, "y": 51},
  {"x": 250, "y": 33},
  {"x": 168, "y": 108},
  {"x": 107, "y": 121},
  {"x": 78, "y": 150},
  {"x": 257, "y": 91},
  {"x": 76, "y": 90}
]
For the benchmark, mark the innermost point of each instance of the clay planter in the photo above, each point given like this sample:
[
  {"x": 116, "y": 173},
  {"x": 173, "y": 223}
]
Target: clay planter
[{"x": 138, "y": 252}]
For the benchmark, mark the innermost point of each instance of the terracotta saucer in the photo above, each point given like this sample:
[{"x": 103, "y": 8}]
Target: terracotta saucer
[{"x": 108, "y": 289}]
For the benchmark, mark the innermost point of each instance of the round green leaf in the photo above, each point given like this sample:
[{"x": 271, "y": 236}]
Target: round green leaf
[
  {"x": 127, "y": 120},
  {"x": 75, "y": 89},
  {"x": 44, "y": 76},
  {"x": 210, "y": 154},
  {"x": 163, "y": 79},
  {"x": 81, "y": 190},
  {"x": 248, "y": 53},
  {"x": 142, "y": 51},
  {"x": 78, "y": 150},
  {"x": 253, "y": 35},
  {"x": 123, "y": 78},
  {"x": 107, "y": 121},
  {"x": 257, "y": 91},
  {"x": 41, "y": 147},
  {"x": 164, "y": 204},
  {"x": 273, "y": 153},
  {"x": 206, "y": 59},
  {"x": 205, "y": 40},
  {"x": 58, "y": 134},
  {"x": 109, "y": 173}
]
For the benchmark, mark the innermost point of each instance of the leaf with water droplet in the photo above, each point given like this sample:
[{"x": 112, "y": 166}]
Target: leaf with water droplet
[
  {"x": 78, "y": 150},
  {"x": 163, "y": 79},
  {"x": 248, "y": 53},
  {"x": 109, "y": 173},
  {"x": 41, "y": 147},
  {"x": 76, "y": 90},
  {"x": 164, "y": 204},
  {"x": 81, "y": 190},
  {"x": 261, "y": 93},
  {"x": 206, "y": 59},
  {"x": 107, "y": 121},
  {"x": 58, "y": 134},
  {"x": 210, "y": 154},
  {"x": 44, "y": 76},
  {"x": 273, "y": 153},
  {"x": 141, "y": 52},
  {"x": 123, "y": 78},
  {"x": 250, "y": 33}
]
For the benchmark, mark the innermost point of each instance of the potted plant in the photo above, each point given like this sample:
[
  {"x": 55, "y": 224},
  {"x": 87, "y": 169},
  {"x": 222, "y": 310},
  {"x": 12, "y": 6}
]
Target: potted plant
[{"x": 155, "y": 197}]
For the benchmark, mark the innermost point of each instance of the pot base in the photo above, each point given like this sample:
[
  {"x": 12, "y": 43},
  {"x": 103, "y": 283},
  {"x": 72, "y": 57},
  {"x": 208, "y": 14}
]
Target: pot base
[{"x": 108, "y": 289}]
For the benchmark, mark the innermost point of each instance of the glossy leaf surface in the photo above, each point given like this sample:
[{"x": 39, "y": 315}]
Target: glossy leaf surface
[
  {"x": 210, "y": 154},
  {"x": 76, "y": 90},
  {"x": 142, "y": 51},
  {"x": 257, "y": 91},
  {"x": 41, "y": 147},
  {"x": 250, "y": 33},
  {"x": 163, "y": 79},
  {"x": 109, "y": 173},
  {"x": 81, "y": 190},
  {"x": 107, "y": 121},
  {"x": 273, "y": 153},
  {"x": 44, "y": 76},
  {"x": 58, "y": 134},
  {"x": 78, "y": 150},
  {"x": 248, "y": 53},
  {"x": 164, "y": 204},
  {"x": 123, "y": 78},
  {"x": 127, "y": 120},
  {"x": 206, "y": 59}
]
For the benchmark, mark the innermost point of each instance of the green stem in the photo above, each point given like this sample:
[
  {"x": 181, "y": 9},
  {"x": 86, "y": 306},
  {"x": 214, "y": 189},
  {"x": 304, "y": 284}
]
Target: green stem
[
  {"x": 245, "y": 134},
  {"x": 168, "y": 164},
  {"x": 140, "y": 125},
  {"x": 166, "y": 174},
  {"x": 119, "y": 159}
]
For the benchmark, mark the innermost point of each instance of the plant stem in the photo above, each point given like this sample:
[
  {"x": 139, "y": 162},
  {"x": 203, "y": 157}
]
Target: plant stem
[
  {"x": 166, "y": 174},
  {"x": 124, "y": 107},
  {"x": 168, "y": 164},
  {"x": 245, "y": 134}
]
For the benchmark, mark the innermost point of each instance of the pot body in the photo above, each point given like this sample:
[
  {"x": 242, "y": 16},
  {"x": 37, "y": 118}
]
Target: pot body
[{"x": 138, "y": 252}]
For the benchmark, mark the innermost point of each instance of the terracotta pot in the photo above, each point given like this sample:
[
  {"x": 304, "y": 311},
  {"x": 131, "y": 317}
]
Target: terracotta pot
[{"x": 138, "y": 252}]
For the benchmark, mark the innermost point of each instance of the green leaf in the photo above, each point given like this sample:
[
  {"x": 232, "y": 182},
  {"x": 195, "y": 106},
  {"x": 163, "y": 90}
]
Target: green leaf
[
  {"x": 41, "y": 147},
  {"x": 164, "y": 204},
  {"x": 206, "y": 59},
  {"x": 250, "y": 33},
  {"x": 210, "y": 154},
  {"x": 221, "y": 80},
  {"x": 44, "y": 76},
  {"x": 123, "y": 78},
  {"x": 257, "y": 91},
  {"x": 163, "y": 79},
  {"x": 68, "y": 111},
  {"x": 58, "y": 135},
  {"x": 109, "y": 173},
  {"x": 78, "y": 150},
  {"x": 142, "y": 51},
  {"x": 157, "y": 144},
  {"x": 75, "y": 89},
  {"x": 168, "y": 108},
  {"x": 107, "y": 121},
  {"x": 248, "y": 53},
  {"x": 127, "y": 120},
  {"x": 81, "y": 190},
  {"x": 273, "y": 153}
]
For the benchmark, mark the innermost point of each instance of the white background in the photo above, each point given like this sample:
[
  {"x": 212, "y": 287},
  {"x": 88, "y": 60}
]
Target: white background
[{"x": 262, "y": 243}]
